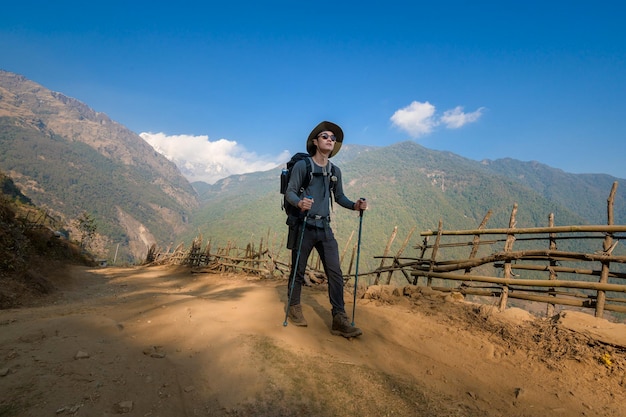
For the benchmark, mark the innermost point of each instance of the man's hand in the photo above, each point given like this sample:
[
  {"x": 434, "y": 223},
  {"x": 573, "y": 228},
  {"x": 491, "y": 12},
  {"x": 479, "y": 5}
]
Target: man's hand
[
  {"x": 361, "y": 204},
  {"x": 305, "y": 204}
]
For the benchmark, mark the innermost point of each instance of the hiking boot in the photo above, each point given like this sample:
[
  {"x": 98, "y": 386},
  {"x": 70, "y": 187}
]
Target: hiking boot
[
  {"x": 342, "y": 327},
  {"x": 295, "y": 315}
]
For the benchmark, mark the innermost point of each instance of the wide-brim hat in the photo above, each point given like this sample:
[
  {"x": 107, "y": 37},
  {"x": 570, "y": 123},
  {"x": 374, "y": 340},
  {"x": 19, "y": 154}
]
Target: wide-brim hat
[{"x": 322, "y": 127}]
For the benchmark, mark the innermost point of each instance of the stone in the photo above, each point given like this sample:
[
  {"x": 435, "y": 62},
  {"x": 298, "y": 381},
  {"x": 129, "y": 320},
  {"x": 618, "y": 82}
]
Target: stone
[
  {"x": 81, "y": 355},
  {"x": 124, "y": 407}
]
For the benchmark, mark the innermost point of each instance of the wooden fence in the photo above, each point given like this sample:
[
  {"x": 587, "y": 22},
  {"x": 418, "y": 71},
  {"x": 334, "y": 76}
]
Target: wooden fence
[
  {"x": 231, "y": 258},
  {"x": 497, "y": 273},
  {"x": 264, "y": 261},
  {"x": 547, "y": 260}
]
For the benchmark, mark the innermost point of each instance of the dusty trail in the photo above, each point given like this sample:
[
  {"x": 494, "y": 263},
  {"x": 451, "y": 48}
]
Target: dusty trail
[{"x": 161, "y": 341}]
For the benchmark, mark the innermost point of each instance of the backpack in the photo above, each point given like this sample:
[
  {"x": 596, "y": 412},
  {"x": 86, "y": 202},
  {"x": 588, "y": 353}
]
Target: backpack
[{"x": 285, "y": 175}]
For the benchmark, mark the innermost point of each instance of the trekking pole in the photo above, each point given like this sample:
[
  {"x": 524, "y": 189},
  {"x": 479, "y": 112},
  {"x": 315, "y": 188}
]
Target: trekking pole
[
  {"x": 292, "y": 281},
  {"x": 356, "y": 270}
]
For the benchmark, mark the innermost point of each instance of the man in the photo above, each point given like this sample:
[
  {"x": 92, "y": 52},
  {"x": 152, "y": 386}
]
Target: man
[{"x": 323, "y": 142}]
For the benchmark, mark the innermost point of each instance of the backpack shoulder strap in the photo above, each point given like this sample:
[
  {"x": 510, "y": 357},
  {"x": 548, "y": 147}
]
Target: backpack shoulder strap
[
  {"x": 309, "y": 172},
  {"x": 333, "y": 177}
]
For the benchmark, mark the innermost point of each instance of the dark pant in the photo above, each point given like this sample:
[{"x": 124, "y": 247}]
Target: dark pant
[{"x": 323, "y": 240}]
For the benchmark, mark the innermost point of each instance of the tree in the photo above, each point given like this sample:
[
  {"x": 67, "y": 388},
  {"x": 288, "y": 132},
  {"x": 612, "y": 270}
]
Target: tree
[{"x": 87, "y": 227}]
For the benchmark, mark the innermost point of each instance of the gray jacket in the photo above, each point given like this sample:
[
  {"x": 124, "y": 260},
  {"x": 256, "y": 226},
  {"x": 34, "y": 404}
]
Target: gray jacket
[{"x": 319, "y": 188}]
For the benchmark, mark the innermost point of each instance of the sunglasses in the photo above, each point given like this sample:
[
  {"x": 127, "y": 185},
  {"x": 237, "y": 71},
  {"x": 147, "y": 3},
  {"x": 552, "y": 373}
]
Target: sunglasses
[{"x": 326, "y": 136}]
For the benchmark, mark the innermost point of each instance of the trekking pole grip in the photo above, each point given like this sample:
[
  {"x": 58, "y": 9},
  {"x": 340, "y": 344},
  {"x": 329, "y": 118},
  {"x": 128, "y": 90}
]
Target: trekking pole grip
[
  {"x": 361, "y": 211},
  {"x": 310, "y": 197}
]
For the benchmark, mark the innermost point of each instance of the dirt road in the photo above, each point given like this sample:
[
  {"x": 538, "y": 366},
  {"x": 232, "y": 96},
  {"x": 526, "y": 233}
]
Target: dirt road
[{"x": 162, "y": 341}]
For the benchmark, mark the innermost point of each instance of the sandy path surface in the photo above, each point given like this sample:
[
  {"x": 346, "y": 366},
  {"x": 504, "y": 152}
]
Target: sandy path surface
[{"x": 162, "y": 341}]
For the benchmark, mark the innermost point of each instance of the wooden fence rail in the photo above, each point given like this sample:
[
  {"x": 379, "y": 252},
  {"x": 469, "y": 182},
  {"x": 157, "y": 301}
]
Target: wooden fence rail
[{"x": 534, "y": 261}]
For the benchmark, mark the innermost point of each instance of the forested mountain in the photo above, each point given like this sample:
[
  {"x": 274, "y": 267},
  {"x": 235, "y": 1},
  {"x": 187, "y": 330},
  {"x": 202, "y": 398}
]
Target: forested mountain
[
  {"x": 408, "y": 185},
  {"x": 71, "y": 159},
  {"x": 584, "y": 194}
]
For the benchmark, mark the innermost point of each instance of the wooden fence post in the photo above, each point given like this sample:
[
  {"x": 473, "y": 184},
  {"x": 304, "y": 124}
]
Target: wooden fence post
[
  {"x": 607, "y": 248},
  {"x": 508, "y": 246},
  {"x": 352, "y": 260},
  {"x": 553, "y": 274},
  {"x": 422, "y": 253},
  {"x": 433, "y": 255},
  {"x": 345, "y": 249},
  {"x": 387, "y": 248},
  {"x": 395, "y": 259},
  {"x": 476, "y": 239}
]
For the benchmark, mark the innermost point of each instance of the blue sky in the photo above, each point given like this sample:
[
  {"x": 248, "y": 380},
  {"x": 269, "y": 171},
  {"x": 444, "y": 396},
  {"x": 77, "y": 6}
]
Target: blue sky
[{"x": 234, "y": 86}]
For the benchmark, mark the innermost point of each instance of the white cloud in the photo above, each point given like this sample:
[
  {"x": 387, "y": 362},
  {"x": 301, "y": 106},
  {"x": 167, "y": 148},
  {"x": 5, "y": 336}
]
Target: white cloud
[
  {"x": 455, "y": 118},
  {"x": 199, "y": 159},
  {"x": 418, "y": 119}
]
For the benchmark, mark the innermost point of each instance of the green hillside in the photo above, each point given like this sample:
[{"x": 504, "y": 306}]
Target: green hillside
[
  {"x": 70, "y": 159},
  {"x": 585, "y": 194},
  {"x": 69, "y": 177}
]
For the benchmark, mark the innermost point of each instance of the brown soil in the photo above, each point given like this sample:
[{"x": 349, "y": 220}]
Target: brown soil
[{"x": 162, "y": 341}]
